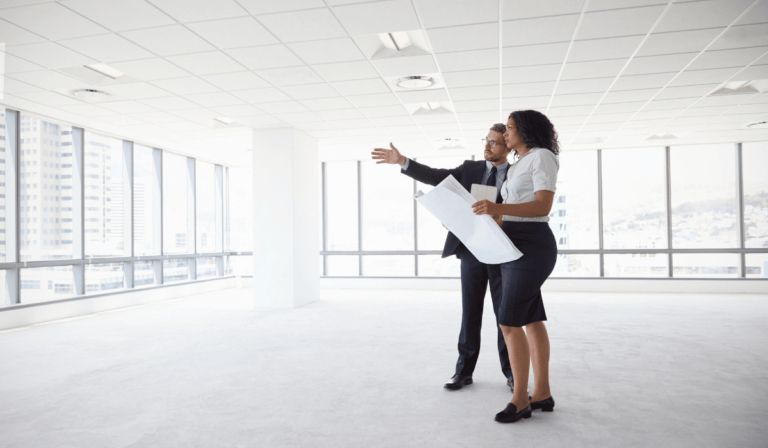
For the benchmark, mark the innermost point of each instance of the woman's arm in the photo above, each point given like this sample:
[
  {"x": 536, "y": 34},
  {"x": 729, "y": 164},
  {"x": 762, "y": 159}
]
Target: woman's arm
[{"x": 534, "y": 209}]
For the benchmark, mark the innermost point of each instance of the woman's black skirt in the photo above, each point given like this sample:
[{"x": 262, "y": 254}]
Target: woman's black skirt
[{"x": 521, "y": 280}]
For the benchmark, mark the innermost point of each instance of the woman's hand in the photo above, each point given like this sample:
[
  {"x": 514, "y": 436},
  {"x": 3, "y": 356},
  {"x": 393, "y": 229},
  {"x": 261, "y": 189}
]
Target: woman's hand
[
  {"x": 486, "y": 207},
  {"x": 391, "y": 156},
  {"x": 499, "y": 219}
]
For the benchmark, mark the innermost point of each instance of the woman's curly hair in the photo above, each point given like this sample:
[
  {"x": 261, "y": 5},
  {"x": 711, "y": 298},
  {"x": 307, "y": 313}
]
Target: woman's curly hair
[{"x": 535, "y": 130}]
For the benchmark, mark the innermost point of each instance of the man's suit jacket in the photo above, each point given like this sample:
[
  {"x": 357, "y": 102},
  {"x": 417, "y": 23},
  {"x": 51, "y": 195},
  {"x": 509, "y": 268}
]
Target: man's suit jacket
[{"x": 468, "y": 173}]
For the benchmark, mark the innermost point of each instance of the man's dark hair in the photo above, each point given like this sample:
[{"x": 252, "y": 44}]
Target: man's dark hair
[
  {"x": 535, "y": 130},
  {"x": 499, "y": 127}
]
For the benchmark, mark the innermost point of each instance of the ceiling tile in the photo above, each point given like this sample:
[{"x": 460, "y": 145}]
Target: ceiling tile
[
  {"x": 197, "y": 10},
  {"x": 667, "y": 104},
  {"x": 619, "y": 22},
  {"x": 49, "y": 55},
  {"x": 471, "y": 78},
  {"x": 314, "y": 126},
  {"x": 186, "y": 86},
  {"x": 599, "y": 5},
  {"x": 261, "y": 121},
  {"x": 629, "y": 95},
  {"x": 239, "y": 110},
  {"x": 607, "y": 48},
  {"x": 170, "y": 103},
  {"x": 183, "y": 126},
  {"x": 534, "y": 54},
  {"x": 475, "y": 93},
  {"x": 715, "y": 75},
  {"x": 463, "y": 38},
  {"x": 678, "y": 42},
  {"x": 580, "y": 70},
  {"x": 753, "y": 72},
  {"x": 136, "y": 90},
  {"x": 257, "y": 7},
  {"x": 120, "y": 120},
  {"x": 394, "y": 121},
  {"x": 616, "y": 108},
  {"x": 299, "y": 26},
  {"x": 377, "y": 99},
  {"x": 444, "y": 13},
  {"x": 569, "y": 111},
  {"x": 208, "y": 63},
  {"x": 299, "y": 117},
  {"x": 13, "y": 87},
  {"x": 377, "y": 17},
  {"x": 107, "y": 48},
  {"x": 515, "y": 75},
  {"x": 384, "y": 111},
  {"x": 155, "y": 117},
  {"x": 282, "y": 107},
  {"x": 539, "y": 30},
  {"x": 327, "y": 51},
  {"x": 362, "y": 87},
  {"x": 15, "y": 64},
  {"x": 697, "y": 15},
  {"x": 168, "y": 40},
  {"x": 200, "y": 115},
  {"x": 516, "y": 9},
  {"x": 290, "y": 76},
  {"x": 52, "y": 21},
  {"x": 462, "y": 60},
  {"x": 121, "y": 16},
  {"x": 310, "y": 91},
  {"x": 742, "y": 36},
  {"x": 720, "y": 100},
  {"x": 727, "y": 58},
  {"x": 703, "y": 111},
  {"x": 522, "y": 103},
  {"x": 48, "y": 98},
  {"x": 86, "y": 110},
  {"x": 344, "y": 71},
  {"x": 257, "y": 96},
  {"x": 567, "y": 86},
  {"x": 341, "y": 114},
  {"x": 577, "y": 99},
  {"x": 476, "y": 105},
  {"x": 659, "y": 64},
  {"x": 406, "y": 66},
  {"x": 49, "y": 80},
  {"x": 528, "y": 89},
  {"x": 127, "y": 107},
  {"x": 236, "y": 81},
  {"x": 150, "y": 69},
  {"x": 214, "y": 99},
  {"x": 234, "y": 33},
  {"x": 424, "y": 96},
  {"x": 11, "y": 34},
  {"x": 270, "y": 56},
  {"x": 686, "y": 91},
  {"x": 335, "y": 103}
]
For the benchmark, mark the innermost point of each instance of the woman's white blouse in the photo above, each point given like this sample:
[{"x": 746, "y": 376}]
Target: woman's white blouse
[{"x": 535, "y": 171}]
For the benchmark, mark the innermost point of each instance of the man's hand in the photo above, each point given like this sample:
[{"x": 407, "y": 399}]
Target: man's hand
[
  {"x": 486, "y": 207},
  {"x": 388, "y": 155}
]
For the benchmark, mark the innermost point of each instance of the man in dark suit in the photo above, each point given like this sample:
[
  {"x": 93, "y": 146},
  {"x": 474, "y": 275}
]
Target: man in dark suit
[{"x": 475, "y": 276}]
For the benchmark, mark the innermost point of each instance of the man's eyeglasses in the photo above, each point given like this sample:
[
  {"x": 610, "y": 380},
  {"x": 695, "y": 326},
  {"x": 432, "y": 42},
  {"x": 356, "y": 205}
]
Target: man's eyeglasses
[{"x": 493, "y": 143}]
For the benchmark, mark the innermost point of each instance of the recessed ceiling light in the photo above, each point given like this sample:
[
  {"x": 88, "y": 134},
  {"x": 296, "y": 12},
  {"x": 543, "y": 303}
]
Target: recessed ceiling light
[
  {"x": 415, "y": 82},
  {"x": 395, "y": 41},
  {"x": 741, "y": 87},
  {"x": 105, "y": 70},
  {"x": 91, "y": 94}
]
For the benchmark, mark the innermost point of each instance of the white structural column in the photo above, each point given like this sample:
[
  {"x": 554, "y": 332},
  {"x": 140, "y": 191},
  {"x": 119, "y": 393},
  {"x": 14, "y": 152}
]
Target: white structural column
[{"x": 286, "y": 221}]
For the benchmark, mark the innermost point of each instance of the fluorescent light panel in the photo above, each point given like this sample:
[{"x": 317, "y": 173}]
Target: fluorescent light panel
[{"x": 105, "y": 70}]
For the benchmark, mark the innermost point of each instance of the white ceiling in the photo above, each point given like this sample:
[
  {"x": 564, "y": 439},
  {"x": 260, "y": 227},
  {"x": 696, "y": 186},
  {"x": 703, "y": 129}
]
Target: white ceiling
[{"x": 609, "y": 73}]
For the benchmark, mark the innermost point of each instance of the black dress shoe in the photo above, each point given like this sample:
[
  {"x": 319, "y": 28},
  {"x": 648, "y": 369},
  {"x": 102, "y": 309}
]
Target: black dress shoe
[
  {"x": 510, "y": 414},
  {"x": 546, "y": 405},
  {"x": 457, "y": 382}
]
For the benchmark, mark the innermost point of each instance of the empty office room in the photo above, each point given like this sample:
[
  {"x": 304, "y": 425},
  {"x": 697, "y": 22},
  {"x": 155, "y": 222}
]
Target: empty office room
[{"x": 383, "y": 223}]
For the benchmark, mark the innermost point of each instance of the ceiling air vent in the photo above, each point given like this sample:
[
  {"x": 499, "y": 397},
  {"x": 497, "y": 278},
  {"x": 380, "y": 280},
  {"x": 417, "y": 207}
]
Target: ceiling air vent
[
  {"x": 741, "y": 87},
  {"x": 91, "y": 94},
  {"x": 662, "y": 137}
]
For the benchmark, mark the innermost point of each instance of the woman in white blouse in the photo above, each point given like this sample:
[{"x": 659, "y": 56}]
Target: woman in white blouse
[{"x": 528, "y": 195}]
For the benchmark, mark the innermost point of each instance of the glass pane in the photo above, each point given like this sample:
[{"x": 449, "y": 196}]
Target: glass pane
[
  {"x": 755, "y": 166},
  {"x": 388, "y": 266},
  {"x": 343, "y": 265},
  {"x": 241, "y": 265},
  {"x": 143, "y": 200},
  {"x": 225, "y": 205},
  {"x": 387, "y": 208},
  {"x": 636, "y": 265},
  {"x": 705, "y": 265},
  {"x": 205, "y": 208},
  {"x": 341, "y": 181},
  {"x": 756, "y": 265},
  {"x": 431, "y": 233},
  {"x": 241, "y": 217},
  {"x": 44, "y": 284},
  {"x": 143, "y": 273},
  {"x": 206, "y": 267},
  {"x": 574, "y": 219},
  {"x": 103, "y": 196},
  {"x": 577, "y": 265},
  {"x": 104, "y": 277},
  {"x": 704, "y": 199},
  {"x": 5, "y": 299},
  {"x": 175, "y": 270},
  {"x": 436, "y": 266},
  {"x": 634, "y": 199},
  {"x": 45, "y": 190},
  {"x": 3, "y": 201},
  {"x": 174, "y": 204}
]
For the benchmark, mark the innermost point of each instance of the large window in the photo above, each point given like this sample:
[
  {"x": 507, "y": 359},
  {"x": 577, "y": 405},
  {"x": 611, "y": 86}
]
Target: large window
[
  {"x": 241, "y": 215},
  {"x": 387, "y": 211},
  {"x": 755, "y": 166},
  {"x": 574, "y": 217},
  {"x": 144, "y": 201},
  {"x": 206, "y": 208},
  {"x": 3, "y": 157},
  {"x": 341, "y": 193},
  {"x": 175, "y": 202},
  {"x": 103, "y": 196}
]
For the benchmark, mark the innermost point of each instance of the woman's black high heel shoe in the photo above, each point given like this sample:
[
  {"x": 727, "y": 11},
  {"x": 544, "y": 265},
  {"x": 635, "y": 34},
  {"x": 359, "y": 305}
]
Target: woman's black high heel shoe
[
  {"x": 510, "y": 414},
  {"x": 546, "y": 405}
]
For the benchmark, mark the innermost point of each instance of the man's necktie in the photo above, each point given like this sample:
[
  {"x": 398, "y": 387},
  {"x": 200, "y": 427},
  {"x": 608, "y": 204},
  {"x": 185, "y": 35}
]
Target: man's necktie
[{"x": 492, "y": 183}]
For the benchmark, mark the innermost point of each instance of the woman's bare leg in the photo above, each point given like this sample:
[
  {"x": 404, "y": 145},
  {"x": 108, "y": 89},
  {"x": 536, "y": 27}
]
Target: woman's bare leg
[
  {"x": 519, "y": 358},
  {"x": 538, "y": 343}
]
